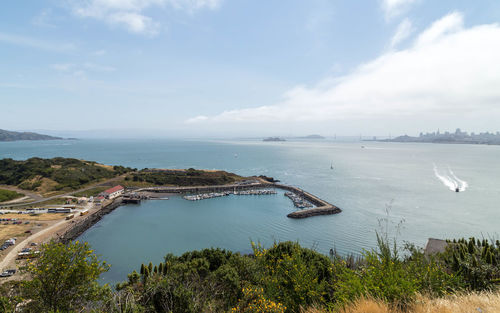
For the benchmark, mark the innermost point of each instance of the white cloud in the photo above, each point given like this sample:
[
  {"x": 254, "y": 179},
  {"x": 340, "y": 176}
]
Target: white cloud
[
  {"x": 393, "y": 8},
  {"x": 403, "y": 31},
  {"x": 134, "y": 22},
  {"x": 449, "y": 24},
  {"x": 131, "y": 13},
  {"x": 36, "y": 43},
  {"x": 80, "y": 70},
  {"x": 197, "y": 119},
  {"x": 448, "y": 71},
  {"x": 62, "y": 67}
]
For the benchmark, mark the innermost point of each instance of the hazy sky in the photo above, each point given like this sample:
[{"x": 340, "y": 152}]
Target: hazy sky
[{"x": 246, "y": 67}]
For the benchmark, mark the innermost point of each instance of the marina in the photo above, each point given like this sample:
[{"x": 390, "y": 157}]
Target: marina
[
  {"x": 309, "y": 205},
  {"x": 253, "y": 192},
  {"x": 298, "y": 201}
]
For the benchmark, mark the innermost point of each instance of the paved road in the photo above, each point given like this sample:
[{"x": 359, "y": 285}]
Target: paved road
[
  {"x": 25, "y": 192},
  {"x": 40, "y": 199}
]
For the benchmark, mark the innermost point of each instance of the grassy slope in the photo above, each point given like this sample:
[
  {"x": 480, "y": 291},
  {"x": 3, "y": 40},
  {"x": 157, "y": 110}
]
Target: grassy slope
[
  {"x": 487, "y": 302},
  {"x": 189, "y": 177},
  {"x": 57, "y": 174},
  {"x": 7, "y": 195}
]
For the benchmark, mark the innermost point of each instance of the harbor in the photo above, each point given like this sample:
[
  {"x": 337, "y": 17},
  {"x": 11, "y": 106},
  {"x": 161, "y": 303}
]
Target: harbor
[
  {"x": 251, "y": 192},
  {"x": 308, "y": 204},
  {"x": 68, "y": 222}
]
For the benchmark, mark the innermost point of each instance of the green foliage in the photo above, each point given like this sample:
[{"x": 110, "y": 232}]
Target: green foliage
[
  {"x": 295, "y": 276},
  {"x": 64, "y": 277},
  {"x": 193, "y": 282},
  {"x": 283, "y": 278},
  {"x": 7, "y": 195},
  {"x": 254, "y": 301},
  {"x": 474, "y": 260},
  {"x": 6, "y": 305},
  {"x": 10, "y": 296},
  {"x": 189, "y": 177},
  {"x": 386, "y": 276},
  {"x": 68, "y": 173}
]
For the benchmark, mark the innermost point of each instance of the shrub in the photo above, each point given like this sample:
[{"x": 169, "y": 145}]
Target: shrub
[
  {"x": 295, "y": 276},
  {"x": 386, "y": 276},
  {"x": 476, "y": 261},
  {"x": 253, "y": 301},
  {"x": 64, "y": 277}
]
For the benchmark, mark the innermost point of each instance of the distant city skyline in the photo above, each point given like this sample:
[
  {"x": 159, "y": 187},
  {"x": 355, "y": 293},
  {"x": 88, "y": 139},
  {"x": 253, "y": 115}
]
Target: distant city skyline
[{"x": 220, "y": 68}]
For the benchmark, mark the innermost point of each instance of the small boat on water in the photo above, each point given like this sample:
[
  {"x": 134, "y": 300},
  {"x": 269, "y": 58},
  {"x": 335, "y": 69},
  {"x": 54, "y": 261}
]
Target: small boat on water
[
  {"x": 457, "y": 189},
  {"x": 331, "y": 166}
]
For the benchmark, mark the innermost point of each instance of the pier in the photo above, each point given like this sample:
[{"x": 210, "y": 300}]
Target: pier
[{"x": 321, "y": 206}]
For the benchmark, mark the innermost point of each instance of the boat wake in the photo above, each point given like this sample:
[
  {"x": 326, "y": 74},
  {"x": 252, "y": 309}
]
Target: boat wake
[{"x": 450, "y": 180}]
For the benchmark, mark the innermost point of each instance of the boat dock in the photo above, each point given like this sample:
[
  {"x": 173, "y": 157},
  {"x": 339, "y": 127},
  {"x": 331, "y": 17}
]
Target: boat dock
[{"x": 321, "y": 206}]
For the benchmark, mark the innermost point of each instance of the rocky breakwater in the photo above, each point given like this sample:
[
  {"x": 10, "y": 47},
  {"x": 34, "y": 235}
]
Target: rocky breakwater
[
  {"x": 324, "y": 210},
  {"x": 81, "y": 226},
  {"x": 322, "y": 207}
]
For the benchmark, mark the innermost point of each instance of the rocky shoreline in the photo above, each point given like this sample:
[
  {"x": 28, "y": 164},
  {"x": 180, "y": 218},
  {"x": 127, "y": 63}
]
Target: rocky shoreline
[{"x": 80, "y": 227}]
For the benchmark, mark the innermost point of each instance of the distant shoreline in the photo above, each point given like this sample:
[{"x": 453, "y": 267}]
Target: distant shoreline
[
  {"x": 457, "y": 137},
  {"x": 437, "y": 142}
]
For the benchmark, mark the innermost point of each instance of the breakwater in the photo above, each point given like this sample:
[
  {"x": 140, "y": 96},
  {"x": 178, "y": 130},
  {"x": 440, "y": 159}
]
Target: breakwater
[
  {"x": 80, "y": 227},
  {"x": 321, "y": 206}
]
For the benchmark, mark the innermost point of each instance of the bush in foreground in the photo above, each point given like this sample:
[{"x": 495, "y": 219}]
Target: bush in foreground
[
  {"x": 284, "y": 278},
  {"x": 64, "y": 278}
]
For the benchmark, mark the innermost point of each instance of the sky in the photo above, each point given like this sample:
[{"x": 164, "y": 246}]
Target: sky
[{"x": 226, "y": 68}]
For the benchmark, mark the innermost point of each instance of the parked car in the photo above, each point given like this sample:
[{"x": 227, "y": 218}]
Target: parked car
[{"x": 7, "y": 273}]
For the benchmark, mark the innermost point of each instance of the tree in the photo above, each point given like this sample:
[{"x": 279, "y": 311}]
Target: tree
[{"x": 64, "y": 277}]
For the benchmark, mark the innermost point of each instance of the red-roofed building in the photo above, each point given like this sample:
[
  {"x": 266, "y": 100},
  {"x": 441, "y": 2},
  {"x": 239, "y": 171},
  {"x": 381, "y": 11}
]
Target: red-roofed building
[{"x": 114, "y": 192}]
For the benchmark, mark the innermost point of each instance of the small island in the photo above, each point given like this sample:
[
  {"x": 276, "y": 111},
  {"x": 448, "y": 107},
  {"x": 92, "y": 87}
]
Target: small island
[
  {"x": 314, "y": 136},
  {"x": 6, "y": 135},
  {"x": 458, "y": 137},
  {"x": 273, "y": 139}
]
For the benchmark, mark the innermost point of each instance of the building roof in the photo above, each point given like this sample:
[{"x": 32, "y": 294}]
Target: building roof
[
  {"x": 435, "y": 246},
  {"x": 114, "y": 189}
]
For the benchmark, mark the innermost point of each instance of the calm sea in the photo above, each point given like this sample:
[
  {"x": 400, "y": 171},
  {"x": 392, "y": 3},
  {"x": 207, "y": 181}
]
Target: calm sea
[{"x": 413, "y": 183}]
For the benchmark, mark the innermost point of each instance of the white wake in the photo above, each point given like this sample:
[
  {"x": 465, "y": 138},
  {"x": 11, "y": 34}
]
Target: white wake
[{"x": 450, "y": 180}]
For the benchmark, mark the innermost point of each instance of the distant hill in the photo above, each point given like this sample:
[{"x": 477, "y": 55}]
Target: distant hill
[
  {"x": 273, "y": 139},
  {"x": 312, "y": 137},
  {"x": 6, "y": 135}
]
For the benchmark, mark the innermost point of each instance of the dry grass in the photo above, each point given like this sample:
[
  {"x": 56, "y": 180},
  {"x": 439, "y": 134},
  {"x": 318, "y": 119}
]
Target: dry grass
[
  {"x": 47, "y": 186},
  {"x": 10, "y": 230},
  {"x": 467, "y": 303},
  {"x": 476, "y": 302},
  {"x": 35, "y": 217}
]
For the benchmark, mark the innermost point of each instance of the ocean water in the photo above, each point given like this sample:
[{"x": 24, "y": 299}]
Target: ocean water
[{"x": 411, "y": 185}]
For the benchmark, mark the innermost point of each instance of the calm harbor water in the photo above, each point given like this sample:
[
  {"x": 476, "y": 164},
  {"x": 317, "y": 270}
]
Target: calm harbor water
[{"x": 415, "y": 181}]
